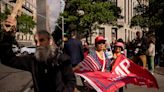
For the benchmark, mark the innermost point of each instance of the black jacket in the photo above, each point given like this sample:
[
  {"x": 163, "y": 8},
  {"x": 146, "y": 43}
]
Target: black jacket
[
  {"x": 52, "y": 77},
  {"x": 74, "y": 49}
]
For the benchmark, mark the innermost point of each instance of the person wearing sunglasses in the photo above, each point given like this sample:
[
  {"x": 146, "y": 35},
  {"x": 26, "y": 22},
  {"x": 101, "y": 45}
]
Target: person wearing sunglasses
[
  {"x": 99, "y": 60},
  {"x": 96, "y": 60}
]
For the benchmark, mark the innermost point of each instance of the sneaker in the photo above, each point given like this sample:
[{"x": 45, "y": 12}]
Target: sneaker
[
  {"x": 152, "y": 73},
  {"x": 157, "y": 66}
]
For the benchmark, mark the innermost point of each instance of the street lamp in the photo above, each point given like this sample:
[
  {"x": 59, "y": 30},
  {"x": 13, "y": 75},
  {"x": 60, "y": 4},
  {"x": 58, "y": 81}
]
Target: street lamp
[
  {"x": 62, "y": 31},
  {"x": 62, "y": 5}
]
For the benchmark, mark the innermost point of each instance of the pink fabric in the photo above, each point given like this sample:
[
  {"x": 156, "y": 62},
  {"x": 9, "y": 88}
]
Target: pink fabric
[{"x": 120, "y": 44}]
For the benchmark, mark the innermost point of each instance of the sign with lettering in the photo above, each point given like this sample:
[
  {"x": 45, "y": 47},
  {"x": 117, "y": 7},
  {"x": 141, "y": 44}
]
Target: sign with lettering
[{"x": 123, "y": 72}]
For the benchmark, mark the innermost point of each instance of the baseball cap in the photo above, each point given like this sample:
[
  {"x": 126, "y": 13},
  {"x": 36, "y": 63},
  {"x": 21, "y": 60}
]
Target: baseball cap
[{"x": 99, "y": 38}]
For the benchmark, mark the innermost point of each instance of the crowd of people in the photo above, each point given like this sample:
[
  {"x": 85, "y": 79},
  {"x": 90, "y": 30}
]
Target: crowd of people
[
  {"x": 53, "y": 70},
  {"x": 140, "y": 50}
]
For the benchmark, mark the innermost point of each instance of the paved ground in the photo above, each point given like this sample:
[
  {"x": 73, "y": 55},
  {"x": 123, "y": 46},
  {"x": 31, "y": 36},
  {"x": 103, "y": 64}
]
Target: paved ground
[
  {"x": 160, "y": 70},
  {"x": 13, "y": 80}
]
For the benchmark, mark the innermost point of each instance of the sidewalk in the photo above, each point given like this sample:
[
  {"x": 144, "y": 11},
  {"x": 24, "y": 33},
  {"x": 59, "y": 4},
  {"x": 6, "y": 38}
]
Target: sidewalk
[
  {"x": 13, "y": 80},
  {"x": 159, "y": 70}
]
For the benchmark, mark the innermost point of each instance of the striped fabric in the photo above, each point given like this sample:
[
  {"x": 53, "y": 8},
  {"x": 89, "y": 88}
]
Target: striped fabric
[
  {"x": 89, "y": 64},
  {"x": 92, "y": 63},
  {"x": 124, "y": 72}
]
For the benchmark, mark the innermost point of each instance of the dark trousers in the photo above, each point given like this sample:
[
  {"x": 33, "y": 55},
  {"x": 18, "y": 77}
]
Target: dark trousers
[{"x": 121, "y": 89}]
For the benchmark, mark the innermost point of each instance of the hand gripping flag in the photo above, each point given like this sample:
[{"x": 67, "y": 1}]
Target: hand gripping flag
[{"x": 124, "y": 72}]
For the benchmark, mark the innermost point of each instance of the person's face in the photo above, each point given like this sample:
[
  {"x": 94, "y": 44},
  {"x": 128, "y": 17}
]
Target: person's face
[
  {"x": 117, "y": 49},
  {"x": 101, "y": 45},
  {"x": 85, "y": 45},
  {"x": 138, "y": 35},
  {"x": 43, "y": 50},
  {"x": 41, "y": 40}
]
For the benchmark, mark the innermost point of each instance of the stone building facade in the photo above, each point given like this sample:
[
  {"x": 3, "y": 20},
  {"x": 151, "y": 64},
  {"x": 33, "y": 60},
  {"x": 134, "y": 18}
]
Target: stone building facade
[{"x": 124, "y": 32}]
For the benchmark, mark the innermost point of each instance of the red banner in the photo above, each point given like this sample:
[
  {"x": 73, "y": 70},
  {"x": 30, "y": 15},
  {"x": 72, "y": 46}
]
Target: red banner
[{"x": 124, "y": 72}]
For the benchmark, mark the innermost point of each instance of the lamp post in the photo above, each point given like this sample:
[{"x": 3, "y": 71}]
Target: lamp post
[
  {"x": 62, "y": 32},
  {"x": 62, "y": 4}
]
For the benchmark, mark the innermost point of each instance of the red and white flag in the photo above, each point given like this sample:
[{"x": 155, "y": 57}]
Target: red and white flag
[{"x": 124, "y": 72}]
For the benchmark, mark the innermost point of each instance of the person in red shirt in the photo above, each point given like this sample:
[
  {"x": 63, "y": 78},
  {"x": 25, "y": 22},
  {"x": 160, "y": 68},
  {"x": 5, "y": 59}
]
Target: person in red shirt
[
  {"x": 96, "y": 60},
  {"x": 99, "y": 60}
]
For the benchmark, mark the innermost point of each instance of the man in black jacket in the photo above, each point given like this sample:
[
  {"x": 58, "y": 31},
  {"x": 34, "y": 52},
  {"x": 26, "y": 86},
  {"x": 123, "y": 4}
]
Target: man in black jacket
[
  {"x": 51, "y": 71},
  {"x": 73, "y": 47},
  {"x": 139, "y": 47}
]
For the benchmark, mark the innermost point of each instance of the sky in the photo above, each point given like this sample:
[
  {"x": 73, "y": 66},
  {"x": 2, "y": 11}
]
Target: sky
[{"x": 55, "y": 7}]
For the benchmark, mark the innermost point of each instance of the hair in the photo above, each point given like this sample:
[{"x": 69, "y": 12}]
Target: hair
[
  {"x": 43, "y": 32},
  {"x": 73, "y": 34},
  {"x": 138, "y": 33},
  {"x": 120, "y": 40}
]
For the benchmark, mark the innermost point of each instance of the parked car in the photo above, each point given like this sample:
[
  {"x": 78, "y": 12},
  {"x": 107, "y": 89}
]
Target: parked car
[
  {"x": 28, "y": 50},
  {"x": 15, "y": 49}
]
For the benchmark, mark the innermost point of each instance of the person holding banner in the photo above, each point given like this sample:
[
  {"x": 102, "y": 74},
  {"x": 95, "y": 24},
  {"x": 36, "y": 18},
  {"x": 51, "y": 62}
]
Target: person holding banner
[
  {"x": 96, "y": 60},
  {"x": 118, "y": 48},
  {"x": 123, "y": 72}
]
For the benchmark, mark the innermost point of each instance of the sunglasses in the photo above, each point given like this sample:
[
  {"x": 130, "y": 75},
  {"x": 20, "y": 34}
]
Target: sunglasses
[{"x": 101, "y": 42}]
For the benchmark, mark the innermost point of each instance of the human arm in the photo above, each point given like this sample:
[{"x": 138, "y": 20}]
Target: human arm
[
  {"x": 77, "y": 67},
  {"x": 151, "y": 49},
  {"x": 81, "y": 51},
  {"x": 7, "y": 56}
]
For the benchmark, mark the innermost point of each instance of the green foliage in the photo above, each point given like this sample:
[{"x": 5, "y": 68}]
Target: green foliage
[
  {"x": 139, "y": 20},
  {"x": 3, "y": 15},
  {"x": 81, "y": 15},
  {"x": 25, "y": 22},
  {"x": 149, "y": 16}
]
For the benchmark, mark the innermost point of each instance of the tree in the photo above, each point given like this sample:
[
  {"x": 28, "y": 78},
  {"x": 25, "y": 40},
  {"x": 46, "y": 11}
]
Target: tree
[
  {"x": 84, "y": 15},
  {"x": 149, "y": 16},
  {"x": 141, "y": 19},
  {"x": 25, "y": 23}
]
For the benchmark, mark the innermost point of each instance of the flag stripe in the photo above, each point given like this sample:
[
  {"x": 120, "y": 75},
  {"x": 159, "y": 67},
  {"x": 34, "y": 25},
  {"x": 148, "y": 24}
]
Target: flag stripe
[{"x": 93, "y": 61}]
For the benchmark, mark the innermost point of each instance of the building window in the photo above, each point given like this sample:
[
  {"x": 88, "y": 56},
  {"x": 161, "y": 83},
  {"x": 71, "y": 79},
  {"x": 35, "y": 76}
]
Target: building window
[
  {"x": 102, "y": 31},
  {"x": 125, "y": 11},
  {"x": 131, "y": 35},
  {"x": 125, "y": 35},
  {"x": 131, "y": 9},
  {"x": 27, "y": 5},
  {"x": 114, "y": 33},
  {"x": 18, "y": 37},
  {"x": 128, "y": 35},
  {"x": 128, "y": 11}
]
